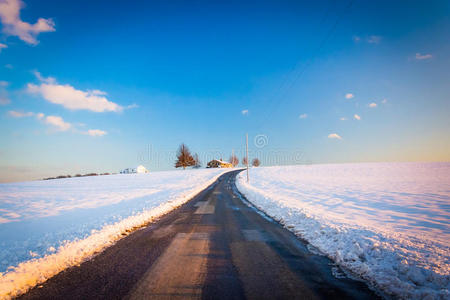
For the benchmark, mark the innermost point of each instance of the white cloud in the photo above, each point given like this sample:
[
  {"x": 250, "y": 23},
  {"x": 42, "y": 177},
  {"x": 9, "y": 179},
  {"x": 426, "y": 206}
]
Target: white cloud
[
  {"x": 95, "y": 132},
  {"x": 71, "y": 98},
  {"x": 98, "y": 93},
  {"x": 423, "y": 56},
  {"x": 334, "y": 136},
  {"x": 384, "y": 101},
  {"x": 19, "y": 114},
  {"x": 57, "y": 122},
  {"x": 374, "y": 39},
  {"x": 303, "y": 116},
  {"x": 131, "y": 106},
  {"x": 13, "y": 25},
  {"x": 372, "y": 105},
  {"x": 349, "y": 96},
  {"x": 245, "y": 112},
  {"x": 41, "y": 78},
  {"x": 356, "y": 117},
  {"x": 343, "y": 119},
  {"x": 3, "y": 46}
]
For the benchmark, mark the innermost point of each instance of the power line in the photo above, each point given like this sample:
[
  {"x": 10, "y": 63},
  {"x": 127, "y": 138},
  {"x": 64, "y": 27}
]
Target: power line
[
  {"x": 287, "y": 75},
  {"x": 302, "y": 70}
]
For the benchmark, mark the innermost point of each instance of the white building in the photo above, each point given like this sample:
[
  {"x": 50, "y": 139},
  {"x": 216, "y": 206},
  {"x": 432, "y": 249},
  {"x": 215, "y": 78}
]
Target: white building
[{"x": 139, "y": 169}]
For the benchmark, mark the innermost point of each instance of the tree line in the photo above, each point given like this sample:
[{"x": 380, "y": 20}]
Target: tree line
[{"x": 77, "y": 175}]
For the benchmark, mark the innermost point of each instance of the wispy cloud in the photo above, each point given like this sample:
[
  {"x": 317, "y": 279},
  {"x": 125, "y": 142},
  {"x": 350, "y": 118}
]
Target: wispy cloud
[
  {"x": 349, "y": 96},
  {"x": 423, "y": 56},
  {"x": 334, "y": 136},
  {"x": 44, "y": 79},
  {"x": 3, "y": 46},
  {"x": 95, "y": 132},
  {"x": 371, "y": 39},
  {"x": 70, "y": 97},
  {"x": 384, "y": 101},
  {"x": 131, "y": 106},
  {"x": 374, "y": 39},
  {"x": 19, "y": 114},
  {"x": 58, "y": 123},
  {"x": 244, "y": 112},
  {"x": 97, "y": 93},
  {"x": 372, "y": 105},
  {"x": 356, "y": 117},
  {"x": 303, "y": 116},
  {"x": 343, "y": 119},
  {"x": 9, "y": 66},
  {"x": 14, "y": 26}
]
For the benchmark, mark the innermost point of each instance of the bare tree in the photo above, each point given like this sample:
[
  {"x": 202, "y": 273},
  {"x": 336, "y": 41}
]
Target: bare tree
[
  {"x": 234, "y": 160},
  {"x": 198, "y": 163},
  {"x": 256, "y": 162},
  {"x": 184, "y": 157},
  {"x": 244, "y": 161}
]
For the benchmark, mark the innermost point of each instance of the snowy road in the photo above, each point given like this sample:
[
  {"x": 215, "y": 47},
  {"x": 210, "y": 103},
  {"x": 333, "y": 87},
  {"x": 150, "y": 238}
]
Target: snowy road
[{"x": 213, "y": 247}]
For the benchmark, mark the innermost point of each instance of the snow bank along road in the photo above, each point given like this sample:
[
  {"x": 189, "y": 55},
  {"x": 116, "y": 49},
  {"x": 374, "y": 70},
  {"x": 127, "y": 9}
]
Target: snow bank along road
[
  {"x": 388, "y": 223},
  {"x": 47, "y": 226},
  {"x": 216, "y": 247}
]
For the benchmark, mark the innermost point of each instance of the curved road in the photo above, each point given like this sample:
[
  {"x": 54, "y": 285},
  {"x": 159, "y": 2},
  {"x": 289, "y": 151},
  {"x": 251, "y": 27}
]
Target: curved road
[{"x": 213, "y": 247}]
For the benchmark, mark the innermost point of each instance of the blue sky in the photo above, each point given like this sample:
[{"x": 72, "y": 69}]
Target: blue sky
[{"x": 98, "y": 86}]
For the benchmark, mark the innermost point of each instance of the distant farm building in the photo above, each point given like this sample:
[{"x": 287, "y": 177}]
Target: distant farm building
[
  {"x": 139, "y": 170},
  {"x": 215, "y": 163}
]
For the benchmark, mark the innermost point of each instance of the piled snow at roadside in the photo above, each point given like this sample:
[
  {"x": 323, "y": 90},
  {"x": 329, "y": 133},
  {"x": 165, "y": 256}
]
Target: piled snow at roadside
[
  {"x": 388, "y": 223},
  {"x": 47, "y": 226}
]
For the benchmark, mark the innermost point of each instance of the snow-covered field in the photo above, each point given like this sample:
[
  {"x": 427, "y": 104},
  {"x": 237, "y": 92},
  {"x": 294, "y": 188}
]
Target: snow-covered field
[
  {"x": 388, "y": 223},
  {"x": 47, "y": 226}
]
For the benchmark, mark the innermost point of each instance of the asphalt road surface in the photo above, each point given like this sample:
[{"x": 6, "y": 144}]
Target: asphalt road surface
[{"x": 215, "y": 246}]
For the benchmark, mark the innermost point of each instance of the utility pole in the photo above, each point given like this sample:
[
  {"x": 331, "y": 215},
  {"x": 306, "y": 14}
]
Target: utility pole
[
  {"x": 246, "y": 149},
  {"x": 232, "y": 157}
]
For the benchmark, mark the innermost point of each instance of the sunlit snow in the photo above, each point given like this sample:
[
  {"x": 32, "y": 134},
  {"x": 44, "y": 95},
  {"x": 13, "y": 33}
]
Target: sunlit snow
[
  {"x": 389, "y": 223},
  {"x": 47, "y": 226}
]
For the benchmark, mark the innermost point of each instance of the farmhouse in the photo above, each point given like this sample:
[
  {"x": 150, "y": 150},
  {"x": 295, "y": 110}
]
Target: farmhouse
[
  {"x": 139, "y": 169},
  {"x": 215, "y": 163}
]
